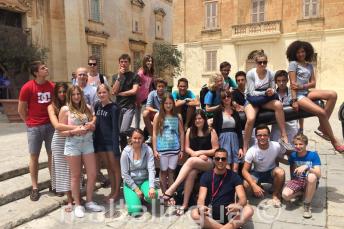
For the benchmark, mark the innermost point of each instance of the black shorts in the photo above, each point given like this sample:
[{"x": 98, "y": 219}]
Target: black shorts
[{"x": 105, "y": 148}]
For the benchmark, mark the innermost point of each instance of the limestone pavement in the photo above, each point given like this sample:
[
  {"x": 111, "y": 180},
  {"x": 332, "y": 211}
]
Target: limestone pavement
[{"x": 327, "y": 207}]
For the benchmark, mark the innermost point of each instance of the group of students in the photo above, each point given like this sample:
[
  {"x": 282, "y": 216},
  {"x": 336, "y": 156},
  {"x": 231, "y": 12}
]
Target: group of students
[{"x": 82, "y": 126}]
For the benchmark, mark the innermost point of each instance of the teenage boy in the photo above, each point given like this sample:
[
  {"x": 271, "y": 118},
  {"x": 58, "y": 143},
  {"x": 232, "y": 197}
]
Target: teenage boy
[
  {"x": 284, "y": 95},
  {"x": 238, "y": 94},
  {"x": 217, "y": 189},
  {"x": 34, "y": 99},
  {"x": 225, "y": 69},
  {"x": 185, "y": 100},
  {"x": 94, "y": 77},
  {"x": 153, "y": 105},
  {"x": 263, "y": 156},
  {"x": 125, "y": 89},
  {"x": 305, "y": 174}
]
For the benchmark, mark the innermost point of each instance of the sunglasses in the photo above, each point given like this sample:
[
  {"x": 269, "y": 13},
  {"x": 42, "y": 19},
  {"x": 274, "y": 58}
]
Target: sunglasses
[
  {"x": 92, "y": 64},
  {"x": 220, "y": 158},
  {"x": 262, "y": 62},
  {"x": 226, "y": 97}
]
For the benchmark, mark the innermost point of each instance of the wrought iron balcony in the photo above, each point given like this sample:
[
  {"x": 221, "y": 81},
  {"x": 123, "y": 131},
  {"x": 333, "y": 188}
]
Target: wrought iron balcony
[{"x": 256, "y": 29}]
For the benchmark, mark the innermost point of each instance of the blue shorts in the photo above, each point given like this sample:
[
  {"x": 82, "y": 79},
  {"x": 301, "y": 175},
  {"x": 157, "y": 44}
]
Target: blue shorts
[
  {"x": 301, "y": 94},
  {"x": 263, "y": 177},
  {"x": 79, "y": 145},
  {"x": 105, "y": 148}
]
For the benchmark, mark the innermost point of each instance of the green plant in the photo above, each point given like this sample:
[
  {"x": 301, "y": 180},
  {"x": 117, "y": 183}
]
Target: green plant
[
  {"x": 16, "y": 54},
  {"x": 166, "y": 56}
]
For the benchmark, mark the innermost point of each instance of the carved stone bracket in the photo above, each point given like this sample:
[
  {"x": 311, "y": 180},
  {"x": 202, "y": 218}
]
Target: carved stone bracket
[
  {"x": 138, "y": 3},
  {"x": 22, "y": 6},
  {"x": 102, "y": 34},
  {"x": 160, "y": 11}
]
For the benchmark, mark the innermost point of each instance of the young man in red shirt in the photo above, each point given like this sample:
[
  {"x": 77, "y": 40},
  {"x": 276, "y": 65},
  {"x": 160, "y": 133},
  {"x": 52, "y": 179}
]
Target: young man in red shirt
[{"x": 34, "y": 98}]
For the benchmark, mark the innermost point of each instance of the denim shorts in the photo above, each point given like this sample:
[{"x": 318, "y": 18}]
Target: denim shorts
[
  {"x": 105, "y": 148},
  {"x": 79, "y": 145},
  {"x": 263, "y": 177},
  {"x": 37, "y": 134},
  {"x": 301, "y": 94}
]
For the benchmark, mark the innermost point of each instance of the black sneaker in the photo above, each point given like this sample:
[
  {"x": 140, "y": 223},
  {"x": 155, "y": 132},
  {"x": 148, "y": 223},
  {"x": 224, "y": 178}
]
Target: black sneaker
[{"x": 34, "y": 195}]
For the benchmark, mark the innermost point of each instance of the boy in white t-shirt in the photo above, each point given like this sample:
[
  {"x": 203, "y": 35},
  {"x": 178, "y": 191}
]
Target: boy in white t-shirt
[{"x": 263, "y": 157}]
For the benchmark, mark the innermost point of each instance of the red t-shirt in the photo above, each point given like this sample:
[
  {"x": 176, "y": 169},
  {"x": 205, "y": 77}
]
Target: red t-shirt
[{"x": 38, "y": 98}]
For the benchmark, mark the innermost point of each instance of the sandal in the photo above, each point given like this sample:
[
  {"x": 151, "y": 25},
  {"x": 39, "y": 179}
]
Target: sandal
[
  {"x": 276, "y": 203},
  {"x": 181, "y": 210},
  {"x": 322, "y": 135},
  {"x": 286, "y": 145},
  {"x": 68, "y": 208},
  {"x": 339, "y": 148},
  {"x": 169, "y": 199}
]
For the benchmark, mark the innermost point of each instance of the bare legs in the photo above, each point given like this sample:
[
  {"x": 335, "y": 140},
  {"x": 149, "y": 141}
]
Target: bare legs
[
  {"x": 33, "y": 167},
  {"x": 74, "y": 162},
  {"x": 308, "y": 105},
  {"x": 251, "y": 113},
  {"x": 113, "y": 168},
  {"x": 311, "y": 184}
]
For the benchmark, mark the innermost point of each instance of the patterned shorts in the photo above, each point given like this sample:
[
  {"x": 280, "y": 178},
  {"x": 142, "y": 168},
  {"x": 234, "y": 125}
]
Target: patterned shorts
[{"x": 296, "y": 185}]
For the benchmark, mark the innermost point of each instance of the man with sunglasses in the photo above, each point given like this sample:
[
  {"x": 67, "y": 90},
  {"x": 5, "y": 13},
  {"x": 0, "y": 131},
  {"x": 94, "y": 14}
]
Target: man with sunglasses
[
  {"x": 218, "y": 189},
  {"x": 34, "y": 99},
  {"x": 94, "y": 77},
  {"x": 264, "y": 156}
]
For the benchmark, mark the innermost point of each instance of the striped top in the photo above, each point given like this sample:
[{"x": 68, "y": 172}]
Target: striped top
[{"x": 168, "y": 140}]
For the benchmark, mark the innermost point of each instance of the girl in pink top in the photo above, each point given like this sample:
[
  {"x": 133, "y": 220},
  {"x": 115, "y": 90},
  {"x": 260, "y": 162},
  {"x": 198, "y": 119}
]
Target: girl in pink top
[{"x": 145, "y": 74}]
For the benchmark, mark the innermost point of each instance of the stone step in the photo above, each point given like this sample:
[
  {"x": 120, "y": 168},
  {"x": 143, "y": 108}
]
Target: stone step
[
  {"x": 24, "y": 210},
  {"x": 19, "y": 171},
  {"x": 20, "y": 186}
]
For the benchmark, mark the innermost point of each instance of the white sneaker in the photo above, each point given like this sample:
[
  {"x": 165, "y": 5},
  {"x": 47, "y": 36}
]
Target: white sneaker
[
  {"x": 79, "y": 211},
  {"x": 93, "y": 206}
]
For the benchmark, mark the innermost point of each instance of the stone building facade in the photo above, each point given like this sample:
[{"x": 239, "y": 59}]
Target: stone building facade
[
  {"x": 74, "y": 29},
  {"x": 211, "y": 31}
]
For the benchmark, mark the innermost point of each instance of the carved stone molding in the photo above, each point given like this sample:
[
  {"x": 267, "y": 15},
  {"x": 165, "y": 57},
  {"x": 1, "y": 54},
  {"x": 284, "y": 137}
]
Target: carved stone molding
[
  {"x": 160, "y": 11},
  {"x": 102, "y": 34},
  {"x": 138, "y": 3},
  {"x": 23, "y": 6}
]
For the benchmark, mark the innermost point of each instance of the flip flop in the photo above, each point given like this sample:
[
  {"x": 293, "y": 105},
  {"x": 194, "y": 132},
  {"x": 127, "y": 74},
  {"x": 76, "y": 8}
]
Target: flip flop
[
  {"x": 276, "y": 203},
  {"x": 322, "y": 135},
  {"x": 181, "y": 210},
  {"x": 168, "y": 199}
]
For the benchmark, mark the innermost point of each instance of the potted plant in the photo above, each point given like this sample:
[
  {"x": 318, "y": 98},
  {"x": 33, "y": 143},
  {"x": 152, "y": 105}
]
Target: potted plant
[{"x": 16, "y": 54}]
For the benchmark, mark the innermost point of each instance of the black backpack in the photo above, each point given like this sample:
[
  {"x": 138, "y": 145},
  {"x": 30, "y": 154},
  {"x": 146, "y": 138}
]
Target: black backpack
[{"x": 101, "y": 78}]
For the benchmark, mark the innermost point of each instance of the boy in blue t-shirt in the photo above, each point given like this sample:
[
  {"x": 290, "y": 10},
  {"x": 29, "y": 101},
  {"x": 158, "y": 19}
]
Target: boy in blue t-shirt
[
  {"x": 305, "y": 173},
  {"x": 185, "y": 101}
]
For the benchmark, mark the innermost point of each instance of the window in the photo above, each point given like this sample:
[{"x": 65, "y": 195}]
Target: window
[
  {"x": 95, "y": 10},
  {"x": 136, "y": 26},
  {"x": 211, "y": 61},
  {"x": 137, "y": 60},
  {"x": 258, "y": 7},
  {"x": 9, "y": 18},
  {"x": 211, "y": 13},
  {"x": 158, "y": 29},
  {"x": 310, "y": 8},
  {"x": 97, "y": 50}
]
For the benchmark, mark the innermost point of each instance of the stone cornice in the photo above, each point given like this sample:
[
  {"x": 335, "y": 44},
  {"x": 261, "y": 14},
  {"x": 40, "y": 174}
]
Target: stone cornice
[
  {"x": 139, "y": 42},
  {"x": 22, "y": 6},
  {"x": 138, "y": 3},
  {"x": 102, "y": 34}
]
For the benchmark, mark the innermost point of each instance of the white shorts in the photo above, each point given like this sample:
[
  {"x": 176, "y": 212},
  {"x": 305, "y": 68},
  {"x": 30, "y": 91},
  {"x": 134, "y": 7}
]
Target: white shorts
[{"x": 168, "y": 161}]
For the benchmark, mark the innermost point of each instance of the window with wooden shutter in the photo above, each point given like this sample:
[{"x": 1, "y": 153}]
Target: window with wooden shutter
[
  {"x": 310, "y": 8},
  {"x": 95, "y": 10},
  {"x": 97, "y": 50},
  {"x": 211, "y": 61},
  {"x": 258, "y": 10},
  {"x": 211, "y": 14}
]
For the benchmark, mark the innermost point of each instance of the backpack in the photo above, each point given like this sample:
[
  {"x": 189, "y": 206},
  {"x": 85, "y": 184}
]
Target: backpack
[{"x": 101, "y": 78}]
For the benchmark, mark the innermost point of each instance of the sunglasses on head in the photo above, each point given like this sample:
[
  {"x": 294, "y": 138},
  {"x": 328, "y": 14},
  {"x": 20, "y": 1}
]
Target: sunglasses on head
[
  {"x": 262, "y": 62},
  {"x": 92, "y": 64},
  {"x": 220, "y": 158}
]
